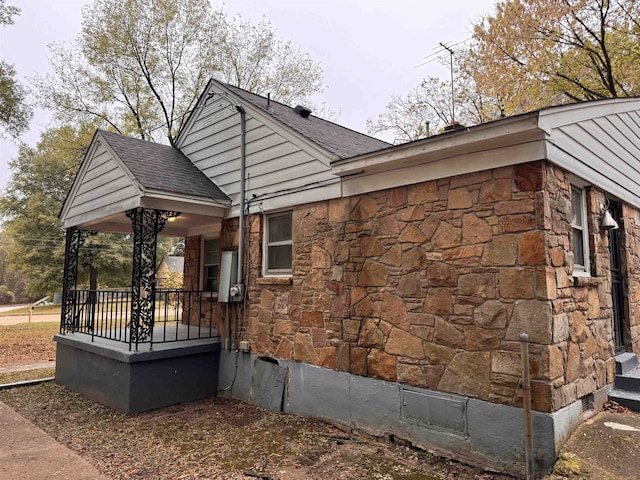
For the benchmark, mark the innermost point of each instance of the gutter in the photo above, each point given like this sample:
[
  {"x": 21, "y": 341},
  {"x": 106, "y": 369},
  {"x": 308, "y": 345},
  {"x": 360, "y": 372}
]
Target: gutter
[{"x": 514, "y": 130}]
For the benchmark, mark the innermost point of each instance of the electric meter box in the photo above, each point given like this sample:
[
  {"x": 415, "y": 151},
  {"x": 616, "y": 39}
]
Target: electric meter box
[{"x": 228, "y": 276}]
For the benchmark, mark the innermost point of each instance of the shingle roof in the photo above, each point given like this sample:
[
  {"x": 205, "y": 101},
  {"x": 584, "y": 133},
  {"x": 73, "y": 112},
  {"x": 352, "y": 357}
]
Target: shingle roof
[
  {"x": 341, "y": 141},
  {"x": 162, "y": 167},
  {"x": 175, "y": 264}
]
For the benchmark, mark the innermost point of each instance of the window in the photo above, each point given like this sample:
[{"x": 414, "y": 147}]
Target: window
[
  {"x": 580, "y": 237},
  {"x": 278, "y": 244},
  {"x": 210, "y": 265}
]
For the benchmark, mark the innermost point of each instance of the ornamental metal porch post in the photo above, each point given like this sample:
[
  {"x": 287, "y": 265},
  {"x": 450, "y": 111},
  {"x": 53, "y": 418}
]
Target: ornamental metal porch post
[
  {"x": 74, "y": 240},
  {"x": 146, "y": 224}
]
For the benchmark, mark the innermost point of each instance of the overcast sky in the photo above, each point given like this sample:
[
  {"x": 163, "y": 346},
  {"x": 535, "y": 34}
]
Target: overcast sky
[{"x": 369, "y": 49}]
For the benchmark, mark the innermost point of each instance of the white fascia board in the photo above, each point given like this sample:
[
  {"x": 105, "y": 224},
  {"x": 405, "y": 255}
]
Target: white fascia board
[
  {"x": 518, "y": 130},
  {"x": 444, "y": 167},
  {"x": 180, "y": 204},
  {"x": 102, "y": 213},
  {"x": 180, "y": 197}
]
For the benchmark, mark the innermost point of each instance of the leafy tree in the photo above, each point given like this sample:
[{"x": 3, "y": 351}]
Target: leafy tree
[
  {"x": 15, "y": 113},
  {"x": 535, "y": 53},
  {"x": 177, "y": 247},
  {"x": 9, "y": 279},
  {"x": 431, "y": 103},
  {"x": 415, "y": 115},
  {"x": 32, "y": 234},
  {"x": 252, "y": 57},
  {"x": 529, "y": 54},
  {"x": 6, "y": 295},
  {"x": 138, "y": 66}
]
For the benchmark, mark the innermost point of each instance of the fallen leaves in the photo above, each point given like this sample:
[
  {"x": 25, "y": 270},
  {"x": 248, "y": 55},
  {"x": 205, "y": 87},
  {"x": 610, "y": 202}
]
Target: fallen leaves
[{"x": 219, "y": 438}]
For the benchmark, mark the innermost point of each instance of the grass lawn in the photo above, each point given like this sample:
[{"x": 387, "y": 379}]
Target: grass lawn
[
  {"x": 26, "y": 343},
  {"x": 24, "y": 375},
  {"x": 39, "y": 310}
]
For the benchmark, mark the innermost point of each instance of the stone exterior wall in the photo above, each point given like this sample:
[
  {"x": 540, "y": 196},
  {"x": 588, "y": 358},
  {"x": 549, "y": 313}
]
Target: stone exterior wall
[
  {"x": 431, "y": 285},
  {"x": 580, "y": 358},
  {"x": 204, "y": 309},
  {"x": 197, "y": 309},
  {"x": 192, "y": 254},
  {"x": 631, "y": 266}
]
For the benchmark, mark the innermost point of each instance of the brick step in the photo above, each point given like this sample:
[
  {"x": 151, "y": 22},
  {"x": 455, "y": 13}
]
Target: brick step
[
  {"x": 625, "y": 398},
  {"x": 625, "y": 362}
]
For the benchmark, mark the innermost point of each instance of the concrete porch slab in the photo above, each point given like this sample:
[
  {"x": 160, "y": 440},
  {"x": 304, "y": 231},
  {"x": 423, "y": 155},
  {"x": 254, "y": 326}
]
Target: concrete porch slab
[{"x": 135, "y": 381}]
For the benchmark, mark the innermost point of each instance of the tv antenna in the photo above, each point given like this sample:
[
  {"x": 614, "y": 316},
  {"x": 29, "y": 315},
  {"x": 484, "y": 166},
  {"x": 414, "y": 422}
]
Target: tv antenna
[
  {"x": 453, "y": 104},
  {"x": 437, "y": 55}
]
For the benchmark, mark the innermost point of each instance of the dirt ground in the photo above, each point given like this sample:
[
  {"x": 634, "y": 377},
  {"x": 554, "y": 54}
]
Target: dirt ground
[
  {"x": 221, "y": 439},
  {"x": 217, "y": 438},
  {"x": 27, "y": 343}
]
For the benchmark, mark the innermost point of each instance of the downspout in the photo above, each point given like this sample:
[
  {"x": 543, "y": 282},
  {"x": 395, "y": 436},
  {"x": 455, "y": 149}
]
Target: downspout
[{"x": 243, "y": 162}]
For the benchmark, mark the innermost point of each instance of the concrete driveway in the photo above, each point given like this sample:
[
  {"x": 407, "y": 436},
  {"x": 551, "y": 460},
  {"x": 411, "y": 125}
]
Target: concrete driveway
[
  {"x": 13, "y": 319},
  {"x": 7, "y": 308}
]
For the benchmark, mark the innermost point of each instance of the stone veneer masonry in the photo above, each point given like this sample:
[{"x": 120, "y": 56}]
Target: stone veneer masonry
[{"x": 430, "y": 285}]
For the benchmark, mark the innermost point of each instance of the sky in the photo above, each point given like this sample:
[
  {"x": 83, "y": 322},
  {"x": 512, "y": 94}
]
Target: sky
[{"x": 369, "y": 49}]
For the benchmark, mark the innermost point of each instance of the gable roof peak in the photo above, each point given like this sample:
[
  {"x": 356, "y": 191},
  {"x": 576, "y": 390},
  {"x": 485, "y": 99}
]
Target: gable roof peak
[
  {"x": 337, "y": 140},
  {"x": 161, "y": 167}
]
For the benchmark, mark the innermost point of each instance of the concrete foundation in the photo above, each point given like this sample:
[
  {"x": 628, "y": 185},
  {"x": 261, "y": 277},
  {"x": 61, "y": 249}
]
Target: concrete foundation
[
  {"x": 131, "y": 381},
  {"x": 470, "y": 430}
]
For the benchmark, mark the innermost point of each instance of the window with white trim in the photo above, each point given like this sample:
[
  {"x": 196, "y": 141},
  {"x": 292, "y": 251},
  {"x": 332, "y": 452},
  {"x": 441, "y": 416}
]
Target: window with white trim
[
  {"x": 580, "y": 237},
  {"x": 210, "y": 264},
  {"x": 278, "y": 244}
]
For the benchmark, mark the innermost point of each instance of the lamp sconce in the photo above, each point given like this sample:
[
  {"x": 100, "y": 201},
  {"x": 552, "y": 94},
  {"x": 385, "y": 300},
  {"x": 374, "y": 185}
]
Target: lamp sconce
[{"x": 607, "y": 221}]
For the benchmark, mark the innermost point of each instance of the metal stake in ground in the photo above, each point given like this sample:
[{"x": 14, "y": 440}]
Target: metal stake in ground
[{"x": 526, "y": 406}]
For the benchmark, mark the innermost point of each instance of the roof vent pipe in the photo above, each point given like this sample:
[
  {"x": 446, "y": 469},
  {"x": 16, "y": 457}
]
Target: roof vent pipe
[
  {"x": 453, "y": 126},
  {"x": 304, "y": 112}
]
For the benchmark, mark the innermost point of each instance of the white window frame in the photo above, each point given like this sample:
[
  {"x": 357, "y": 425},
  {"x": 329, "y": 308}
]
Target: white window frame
[
  {"x": 580, "y": 270},
  {"x": 203, "y": 266},
  {"x": 265, "y": 246}
]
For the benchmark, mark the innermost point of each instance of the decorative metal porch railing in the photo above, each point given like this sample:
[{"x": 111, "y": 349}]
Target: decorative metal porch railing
[{"x": 177, "y": 315}]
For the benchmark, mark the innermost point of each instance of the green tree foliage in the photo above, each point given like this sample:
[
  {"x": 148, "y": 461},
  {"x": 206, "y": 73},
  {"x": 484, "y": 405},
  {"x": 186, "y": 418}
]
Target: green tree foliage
[
  {"x": 10, "y": 281},
  {"x": 15, "y": 113},
  {"x": 138, "y": 66},
  {"x": 6, "y": 295},
  {"x": 32, "y": 234}
]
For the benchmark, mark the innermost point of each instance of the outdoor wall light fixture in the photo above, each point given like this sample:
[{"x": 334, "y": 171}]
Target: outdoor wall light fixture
[{"x": 607, "y": 221}]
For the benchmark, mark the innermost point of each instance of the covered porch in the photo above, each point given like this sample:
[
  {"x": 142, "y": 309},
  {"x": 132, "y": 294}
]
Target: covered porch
[{"x": 138, "y": 347}]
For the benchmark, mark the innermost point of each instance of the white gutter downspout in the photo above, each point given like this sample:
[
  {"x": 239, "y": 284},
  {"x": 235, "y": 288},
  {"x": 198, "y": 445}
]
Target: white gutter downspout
[{"x": 243, "y": 162}]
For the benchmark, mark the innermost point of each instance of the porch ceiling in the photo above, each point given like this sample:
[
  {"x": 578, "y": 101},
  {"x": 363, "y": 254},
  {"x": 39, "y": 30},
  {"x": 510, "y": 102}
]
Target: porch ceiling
[{"x": 186, "y": 224}]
